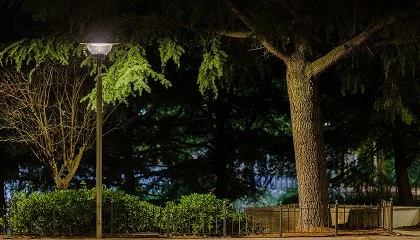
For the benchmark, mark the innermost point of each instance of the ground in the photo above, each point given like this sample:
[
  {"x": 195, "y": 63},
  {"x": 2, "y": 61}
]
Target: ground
[{"x": 409, "y": 233}]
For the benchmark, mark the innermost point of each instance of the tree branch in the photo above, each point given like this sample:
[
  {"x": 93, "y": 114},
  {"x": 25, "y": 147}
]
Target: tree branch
[
  {"x": 263, "y": 39},
  {"x": 234, "y": 34},
  {"x": 395, "y": 41},
  {"x": 329, "y": 59},
  {"x": 221, "y": 32},
  {"x": 45, "y": 112}
]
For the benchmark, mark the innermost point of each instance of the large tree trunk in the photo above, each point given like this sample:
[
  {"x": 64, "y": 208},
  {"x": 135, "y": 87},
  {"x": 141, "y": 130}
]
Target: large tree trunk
[
  {"x": 308, "y": 144},
  {"x": 402, "y": 162}
]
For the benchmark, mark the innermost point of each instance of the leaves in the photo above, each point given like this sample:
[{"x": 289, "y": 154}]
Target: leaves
[
  {"x": 73, "y": 211},
  {"x": 169, "y": 49},
  {"x": 212, "y": 68},
  {"x": 127, "y": 76},
  {"x": 33, "y": 52}
]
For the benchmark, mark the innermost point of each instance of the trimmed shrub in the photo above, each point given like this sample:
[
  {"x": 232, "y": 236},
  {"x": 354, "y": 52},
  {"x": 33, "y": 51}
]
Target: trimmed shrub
[
  {"x": 73, "y": 212},
  {"x": 123, "y": 213},
  {"x": 196, "y": 214},
  {"x": 202, "y": 214},
  {"x": 66, "y": 211}
]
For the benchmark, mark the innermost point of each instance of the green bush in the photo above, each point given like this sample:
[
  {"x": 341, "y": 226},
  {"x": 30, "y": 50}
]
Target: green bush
[
  {"x": 124, "y": 213},
  {"x": 66, "y": 211},
  {"x": 73, "y": 212},
  {"x": 2, "y": 226},
  {"x": 202, "y": 214},
  {"x": 195, "y": 214}
]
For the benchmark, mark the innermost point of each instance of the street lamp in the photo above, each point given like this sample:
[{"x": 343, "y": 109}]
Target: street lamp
[{"x": 99, "y": 51}]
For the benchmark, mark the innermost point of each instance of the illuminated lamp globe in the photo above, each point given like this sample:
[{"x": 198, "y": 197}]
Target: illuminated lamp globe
[{"x": 99, "y": 50}]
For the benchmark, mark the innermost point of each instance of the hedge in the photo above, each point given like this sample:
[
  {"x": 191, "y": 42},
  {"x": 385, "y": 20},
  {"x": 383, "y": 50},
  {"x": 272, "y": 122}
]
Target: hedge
[{"x": 73, "y": 212}]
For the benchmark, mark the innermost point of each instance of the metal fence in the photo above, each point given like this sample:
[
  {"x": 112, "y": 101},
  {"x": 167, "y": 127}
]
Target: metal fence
[{"x": 336, "y": 218}]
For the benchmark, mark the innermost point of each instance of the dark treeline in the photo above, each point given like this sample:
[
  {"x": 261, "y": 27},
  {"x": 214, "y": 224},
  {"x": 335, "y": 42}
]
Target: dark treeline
[{"x": 224, "y": 138}]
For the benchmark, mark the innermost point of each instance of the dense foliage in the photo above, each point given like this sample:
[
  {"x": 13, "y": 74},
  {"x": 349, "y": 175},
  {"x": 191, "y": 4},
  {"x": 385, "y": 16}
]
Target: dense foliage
[
  {"x": 73, "y": 212},
  {"x": 70, "y": 211},
  {"x": 179, "y": 141}
]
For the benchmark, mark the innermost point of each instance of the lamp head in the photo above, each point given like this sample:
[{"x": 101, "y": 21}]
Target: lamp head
[
  {"x": 100, "y": 46},
  {"x": 99, "y": 49}
]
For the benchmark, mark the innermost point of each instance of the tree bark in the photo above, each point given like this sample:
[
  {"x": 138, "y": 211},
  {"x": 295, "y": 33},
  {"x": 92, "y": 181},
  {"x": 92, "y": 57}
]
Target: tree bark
[
  {"x": 308, "y": 143},
  {"x": 402, "y": 162},
  {"x": 304, "y": 100},
  {"x": 63, "y": 177}
]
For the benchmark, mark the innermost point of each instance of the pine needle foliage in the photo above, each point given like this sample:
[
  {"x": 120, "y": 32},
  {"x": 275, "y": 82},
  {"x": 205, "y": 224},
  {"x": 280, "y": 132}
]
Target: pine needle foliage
[
  {"x": 127, "y": 76},
  {"x": 33, "y": 52},
  {"x": 128, "y": 73},
  {"x": 168, "y": 50},
  {"x": 212, "y": 68}
]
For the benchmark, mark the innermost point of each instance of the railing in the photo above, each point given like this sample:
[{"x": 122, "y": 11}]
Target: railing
[
  {"x": 387, "y": 214},
  {"x": 335, "y": 218},
  {"x": 279, "y": 220}
]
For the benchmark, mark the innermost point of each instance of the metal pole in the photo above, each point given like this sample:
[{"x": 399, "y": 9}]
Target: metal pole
[
  {"x": 112, "y": 217},
  {"x": 391, "y": 215},
  {"x": 168, "y": 233},
  {"x": 216, "y": 220},
  {"x": 99, "y": 151},
  {"x": 239, "y": 224},
  {"x": 224, "y": 219},
  {"x": 336, "y": 218},
  {"x": 383, "y": 213},
  {"x": 54, "y": 221},
  {"x": 280, "y": 220}
]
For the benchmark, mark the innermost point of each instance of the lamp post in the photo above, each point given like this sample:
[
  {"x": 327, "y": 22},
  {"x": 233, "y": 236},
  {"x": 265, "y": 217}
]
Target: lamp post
[{"x": 99, "y": 51}]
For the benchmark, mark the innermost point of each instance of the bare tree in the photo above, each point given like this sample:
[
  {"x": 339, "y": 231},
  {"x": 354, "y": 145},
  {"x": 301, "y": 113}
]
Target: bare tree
[{"x": 43, "y": 109}]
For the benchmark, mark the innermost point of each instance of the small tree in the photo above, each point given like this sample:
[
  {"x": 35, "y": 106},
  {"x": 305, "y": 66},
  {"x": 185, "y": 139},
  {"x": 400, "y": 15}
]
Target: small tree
[{"x": 43, "y": 109}]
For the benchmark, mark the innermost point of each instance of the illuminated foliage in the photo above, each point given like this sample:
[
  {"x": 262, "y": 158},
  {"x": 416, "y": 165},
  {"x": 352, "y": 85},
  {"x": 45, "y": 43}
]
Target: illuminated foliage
[{"x": 212, "y": 68}]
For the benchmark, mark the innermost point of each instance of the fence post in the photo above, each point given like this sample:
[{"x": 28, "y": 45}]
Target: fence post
[
  {"x": 357, "y": 216},
  {"x": 344, "y": 217},
  {"x": 54, "y": 223},
  {"x": 288, "y": 217},
  {"x": 280, "y": 221},
  {"x": 112, "y": 216},
  {"x": 364, "y": 216},
  {"x": 167, "y": 220},
  {"x": 391, "y": 215},
  {"x": 239, "y": 223},
  {"x": 379, "y": 215},
  {"x": 383, "y": 213},
  {"x": 246, "y": 221},
  {"x": 216, "y": 220},
  {"x": 371, "y": 216},
  {"x": 336, "y": 218},
  {"x": 224, "y": 218}
]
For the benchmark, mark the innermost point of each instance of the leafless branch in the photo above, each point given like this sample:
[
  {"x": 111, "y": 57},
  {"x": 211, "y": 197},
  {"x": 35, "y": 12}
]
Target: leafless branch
[
  {"x": 346, "y": 48},
  {"x": 45, "y": 113}
]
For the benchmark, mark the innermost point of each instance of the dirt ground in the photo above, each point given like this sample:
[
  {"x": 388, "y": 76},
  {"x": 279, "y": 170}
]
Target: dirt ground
[{"x": 380, "y": 234}]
